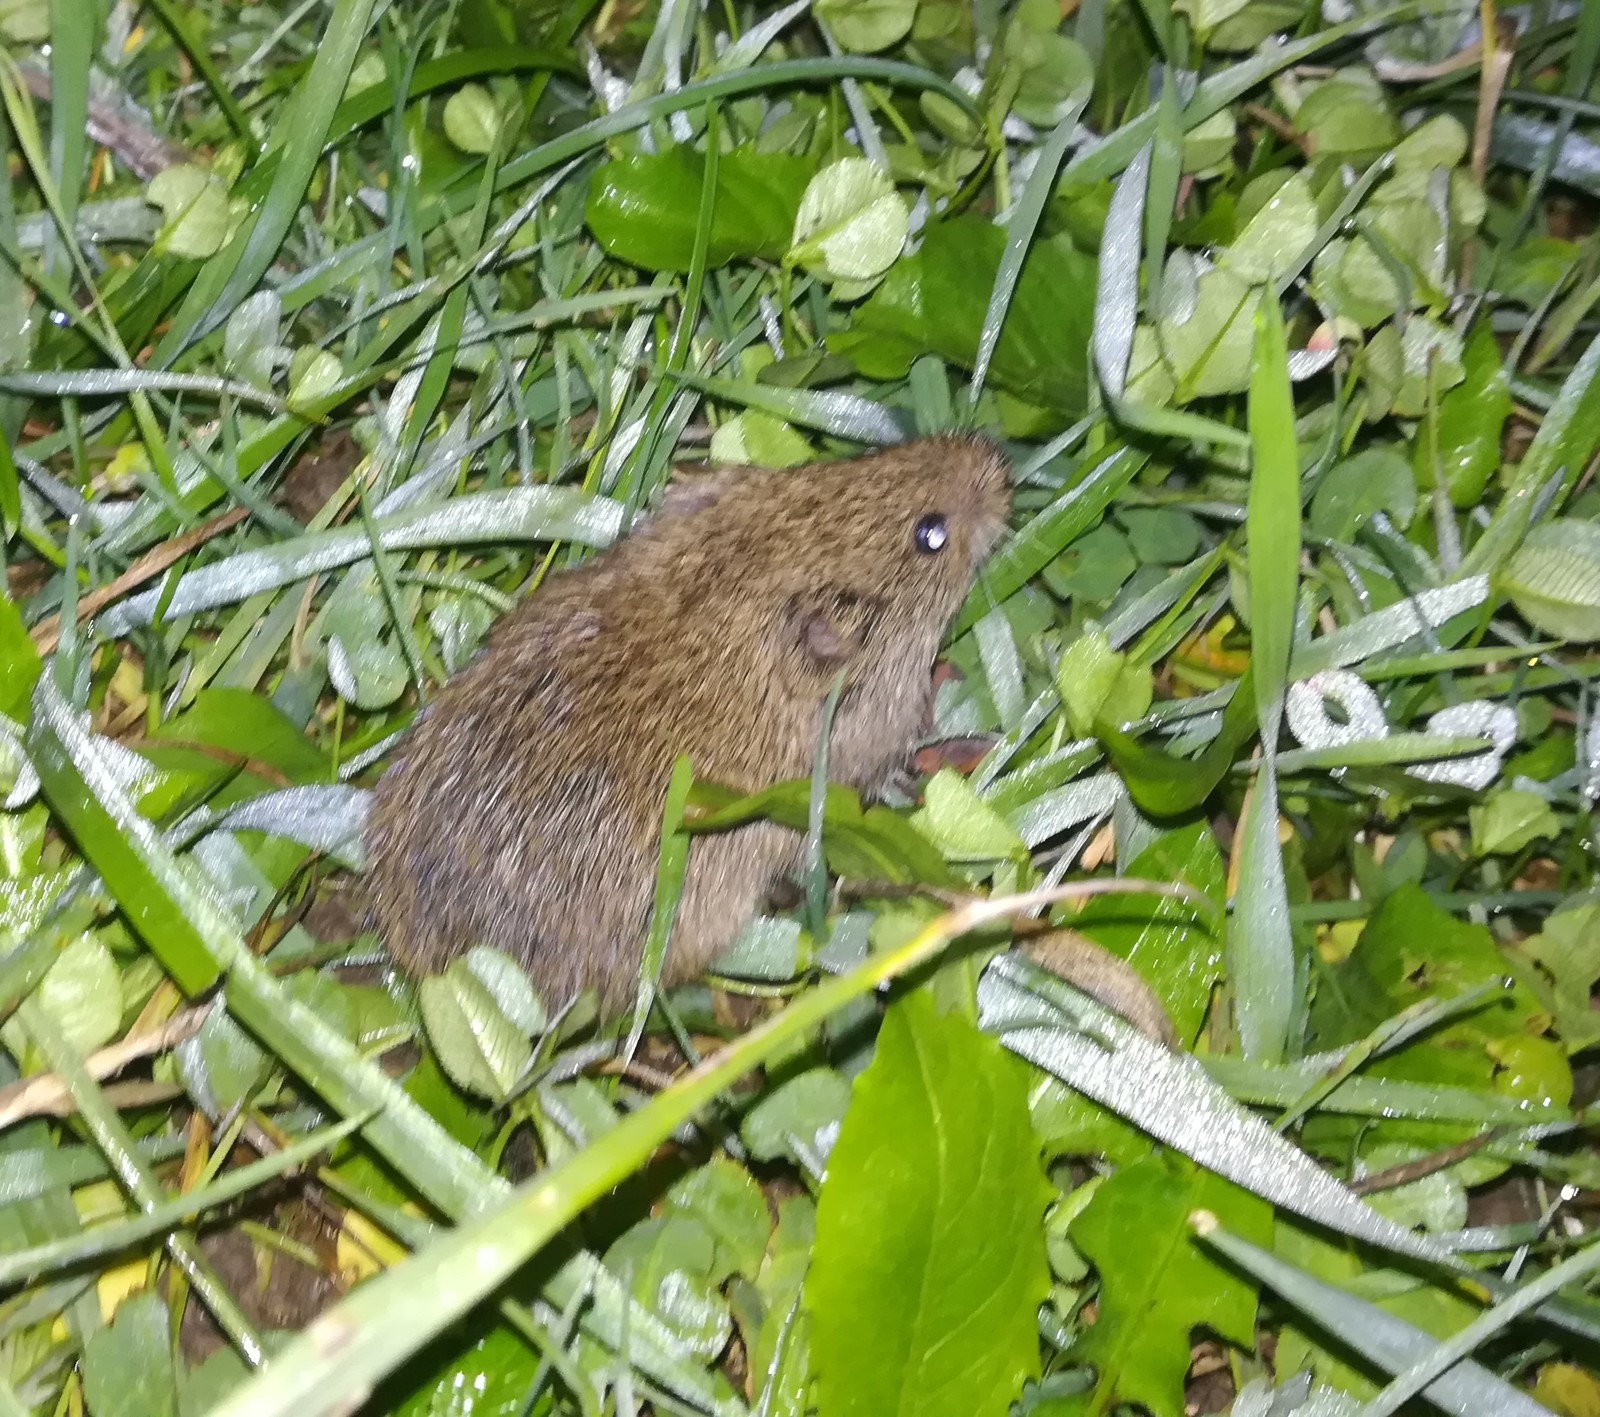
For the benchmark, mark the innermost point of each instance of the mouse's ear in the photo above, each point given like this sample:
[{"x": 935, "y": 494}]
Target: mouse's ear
[{"x": 831, "y": 628}]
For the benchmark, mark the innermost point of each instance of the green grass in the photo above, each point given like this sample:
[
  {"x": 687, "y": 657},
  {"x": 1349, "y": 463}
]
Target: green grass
[{"x": 328, "y": 332}]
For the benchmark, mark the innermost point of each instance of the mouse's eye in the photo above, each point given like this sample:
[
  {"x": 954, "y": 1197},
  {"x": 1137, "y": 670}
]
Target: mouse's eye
[{"x": 931, "y": 535}]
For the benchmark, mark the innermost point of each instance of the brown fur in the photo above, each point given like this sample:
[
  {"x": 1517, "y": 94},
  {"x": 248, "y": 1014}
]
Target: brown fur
[{"x": 524, "y": 809}]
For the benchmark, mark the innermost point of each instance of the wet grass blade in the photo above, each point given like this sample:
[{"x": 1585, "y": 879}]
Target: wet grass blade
[{"x": 1260, "y": 947}]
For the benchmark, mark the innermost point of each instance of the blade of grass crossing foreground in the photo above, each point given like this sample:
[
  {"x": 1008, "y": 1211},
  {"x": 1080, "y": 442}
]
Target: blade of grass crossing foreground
[
  {"x": 236, "y": 270},
  {"x": 336, "y": 1362},
  {"x": 1260, "y": 948}
]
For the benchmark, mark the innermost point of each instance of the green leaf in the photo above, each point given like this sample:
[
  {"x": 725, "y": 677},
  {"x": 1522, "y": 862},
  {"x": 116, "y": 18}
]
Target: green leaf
[
  {"x": 1087, "y": 670},
  {"x": 1560, "y": 450},
  {"x": 852, "y": 223},
  {"x": 875, "y": 844},
  {"x": 722, "y": 1197},
  {"x": 83, "y": 994},
  {"x": 481, "y": 1049},
  {"x": 935, "y": 1176},
  {"x": 1164, "y": 939},
  {"x": 302, "y": 127},
  {"x": 19, "y": 660},
  {"x": 1048, "y": 533},
  {"x": 1165, "y": 785},
  {"x": 1567, "y": 952},
  {"x": 242, "y": 723},
  {"x": 1094, "y": 568},
  {"x": 961, "y": 824},
  {"x": 866, "y": 26},
  {"x": 1157, "y": 1284},
  {"x": 507, "y": 982},
  {"x": 127, "y": 1368},
  {"x": 472, "y": 119},
  {"x": 1261, "y": 962},
  {"x": 802, "y": 1113},
  {"x": 1509, "y": 819},
  {"x": 668, "y": 1266},
  {"x": 936, "y": 300},
  {"x": 1272, "y": 241},
  {"x": 756, "y": 439},
  {"x": 1554, "y": 579},
  {"x": 490, "y": 1376},
  {"x": 1460, "y": 443},
  {"x": 1346, "y": 116},
  {"x": 194, "y": 205},
  {"x": 1377, "y": 479},
  {"x": 643, "y": 209}
]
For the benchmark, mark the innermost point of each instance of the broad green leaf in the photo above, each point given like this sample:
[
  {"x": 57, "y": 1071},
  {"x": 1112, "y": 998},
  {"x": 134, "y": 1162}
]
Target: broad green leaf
[
  {"x": 1509, "y": 819},
  {"x": 195, "y": 207},
  {"x": 1206, "y": 333},
  {"x": 851, "y": 225},
  {"x": 1377, "y": 479},
  {"x": 668, "y": 1265},
  {"x": 128, "y": 1369},
  {"x": 1347, "y": 116},
  {"x": 25, "y": 21},
  {"x": 866, "y": 26},
  {"x": 1567, "y": 952},
  {"x": 875, "y": 844},
  {"x": 961, "y": 824},
  {"x": 936, "y": 1175},
  {"x": 507, "y": 982},
  {"x": 1271, "y": 242},
  {"x": 19, "y": 660},
  {"x": 1554, "y": 579},
  {"x": 1094, "y": 568},
  {"x": 756, "y": 439},
  {"x": 1157, "y": 1284},
  {"x": 1161, "y": 536},
  {"x": 472, "y": 119},
  {"x": 721, "y": 1196},
  {"x": 1460, "y": 443},
  {"x": 801, "y": 1113},
  {"x": 1085, "y": 676},
  {"x": 251, "y": 337},
  {"x": 490, "y": 1375},
  {"x": 1165, "y": 785},
  {"x": 240, "y": 723},
  {"x": 936, "y": 299},
  {"x": 642, "y": 209},
  {"x": 481, "y": 1049},
  {"x": 1439, "y": 141},
  {"x": 1166, "y": 940},
  {"x": 83, "y": 994}
]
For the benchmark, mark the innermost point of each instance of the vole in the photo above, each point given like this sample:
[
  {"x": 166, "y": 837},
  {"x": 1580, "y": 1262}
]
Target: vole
[{"x": 523, "y": 809}]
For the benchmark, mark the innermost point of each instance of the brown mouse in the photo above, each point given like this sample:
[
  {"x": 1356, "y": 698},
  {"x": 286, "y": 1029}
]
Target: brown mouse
[{"x": 524, "y": 808}]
